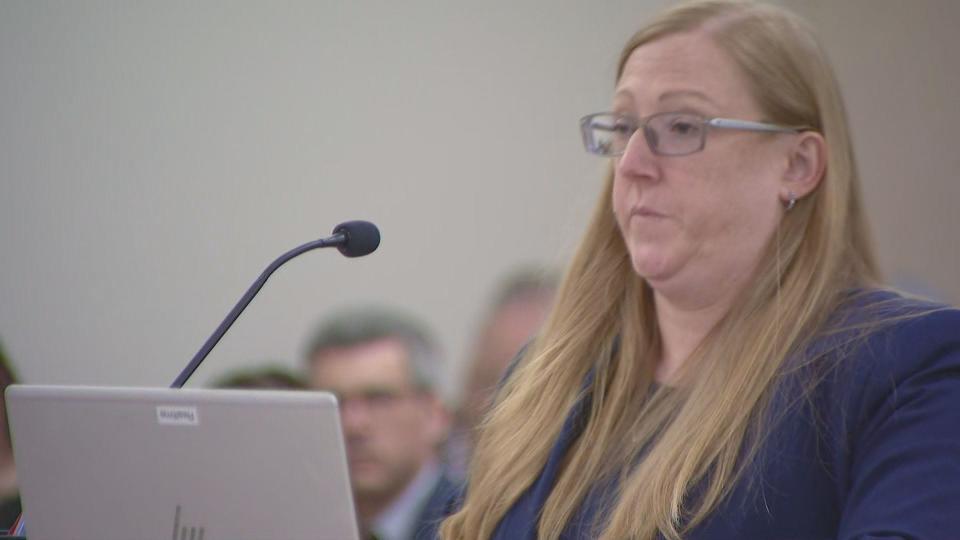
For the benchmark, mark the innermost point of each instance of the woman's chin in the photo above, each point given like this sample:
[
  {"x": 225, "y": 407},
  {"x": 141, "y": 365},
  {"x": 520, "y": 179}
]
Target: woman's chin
[{"x": 654, "y": 269}]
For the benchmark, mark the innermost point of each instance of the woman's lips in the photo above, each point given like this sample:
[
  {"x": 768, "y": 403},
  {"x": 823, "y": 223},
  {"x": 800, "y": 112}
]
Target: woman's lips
[{"x": 645, "y": 212}]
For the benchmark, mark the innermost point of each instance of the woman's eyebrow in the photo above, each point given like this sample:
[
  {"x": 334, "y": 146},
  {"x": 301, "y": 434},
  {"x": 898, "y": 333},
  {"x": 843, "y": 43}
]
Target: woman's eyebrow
[
  {"x": 674, "y": 94},
  {"x": 624, "y": 96}
]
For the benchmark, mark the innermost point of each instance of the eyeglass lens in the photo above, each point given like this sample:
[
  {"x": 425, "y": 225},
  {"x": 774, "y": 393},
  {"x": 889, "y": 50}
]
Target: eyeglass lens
[{"x": 665, "y": 133}]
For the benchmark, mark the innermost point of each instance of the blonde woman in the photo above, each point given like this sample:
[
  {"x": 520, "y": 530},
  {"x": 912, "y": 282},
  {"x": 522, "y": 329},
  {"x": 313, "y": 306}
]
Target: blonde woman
[{"x": 721, "y": 362}]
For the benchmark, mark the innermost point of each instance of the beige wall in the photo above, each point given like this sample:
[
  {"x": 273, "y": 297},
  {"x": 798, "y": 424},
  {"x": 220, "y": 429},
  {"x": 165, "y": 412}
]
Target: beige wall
[
  {"x": 898, "y": 64},
  {"x": 154, "y": 157}
]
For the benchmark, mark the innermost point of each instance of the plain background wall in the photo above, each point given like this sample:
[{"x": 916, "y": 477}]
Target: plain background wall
[
  {"x": 898, "y": 66},
  {"x": 155, "y": 157}
]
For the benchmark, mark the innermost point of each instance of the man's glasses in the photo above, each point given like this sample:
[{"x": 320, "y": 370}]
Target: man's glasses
[{"x": 667, "y": 134}]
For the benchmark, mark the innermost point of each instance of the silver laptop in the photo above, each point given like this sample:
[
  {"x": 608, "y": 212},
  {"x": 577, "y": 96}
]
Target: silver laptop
[{"x": 152, "y": 463}]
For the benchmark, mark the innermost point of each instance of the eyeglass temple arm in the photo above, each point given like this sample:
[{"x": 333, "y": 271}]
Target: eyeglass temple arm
[{"x": 727, "y": 123}]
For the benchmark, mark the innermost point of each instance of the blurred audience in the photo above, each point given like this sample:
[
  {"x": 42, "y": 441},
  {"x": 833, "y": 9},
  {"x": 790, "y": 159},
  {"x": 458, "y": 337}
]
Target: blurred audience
[
  {"x": 518, "y": 308},
  {"x": 383, "y": 367}
]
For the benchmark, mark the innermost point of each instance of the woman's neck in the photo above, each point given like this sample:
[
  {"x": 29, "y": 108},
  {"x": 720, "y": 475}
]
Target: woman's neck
[{"x": 682, "y": 328}]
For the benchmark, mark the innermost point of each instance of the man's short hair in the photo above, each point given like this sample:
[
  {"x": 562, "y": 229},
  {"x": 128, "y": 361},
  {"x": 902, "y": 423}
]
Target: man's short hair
[
  {"x": 522, "y": 283},
  {"x": 265, "y": 377},
  {"x": 358, "y": 326}
]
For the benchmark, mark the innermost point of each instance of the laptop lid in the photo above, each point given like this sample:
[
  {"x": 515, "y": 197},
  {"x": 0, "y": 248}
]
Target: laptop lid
[{"x": 187, "y": 464}]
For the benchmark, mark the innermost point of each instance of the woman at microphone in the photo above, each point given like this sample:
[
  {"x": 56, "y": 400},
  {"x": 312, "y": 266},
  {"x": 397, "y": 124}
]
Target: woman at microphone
[{"x": 722, "y": 361}]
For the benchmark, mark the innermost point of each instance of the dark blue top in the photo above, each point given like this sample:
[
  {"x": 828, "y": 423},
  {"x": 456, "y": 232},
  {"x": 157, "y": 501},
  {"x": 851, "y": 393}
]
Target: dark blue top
[
  {"x": 434, "y": 510},
  {"x": 874, "y": 453}
]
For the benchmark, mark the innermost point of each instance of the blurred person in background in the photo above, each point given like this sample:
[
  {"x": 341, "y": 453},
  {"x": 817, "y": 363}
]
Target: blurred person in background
[
  {"x": 9, "y": 493},
  {"x": 270, "y": 376},
  {"x": 519, "y": 306},
  {"x": 384, "y": 367}
]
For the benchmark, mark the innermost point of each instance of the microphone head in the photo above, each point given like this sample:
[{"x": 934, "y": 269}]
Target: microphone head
[{"x": 360, "y": 238}]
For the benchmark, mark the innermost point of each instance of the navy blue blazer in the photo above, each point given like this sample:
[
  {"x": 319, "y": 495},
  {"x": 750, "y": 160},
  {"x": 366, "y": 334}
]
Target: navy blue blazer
[
  {"x": 435, "y": 509},
  {"x": 874, "y": 453}
]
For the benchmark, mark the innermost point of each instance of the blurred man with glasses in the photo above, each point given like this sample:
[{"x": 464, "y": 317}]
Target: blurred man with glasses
[{"x": 383, "y": 367}]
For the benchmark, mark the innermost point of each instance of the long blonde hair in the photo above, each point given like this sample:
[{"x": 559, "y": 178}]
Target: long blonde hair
[{"x": 704, "y": 430}]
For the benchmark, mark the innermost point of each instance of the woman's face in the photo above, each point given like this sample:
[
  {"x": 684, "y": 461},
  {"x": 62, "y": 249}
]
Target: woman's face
[{"x": 694, "y": 225}]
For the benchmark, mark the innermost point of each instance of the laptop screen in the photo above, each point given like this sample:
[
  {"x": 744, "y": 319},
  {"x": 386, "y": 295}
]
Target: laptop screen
[{"x": 187, "y": 464}]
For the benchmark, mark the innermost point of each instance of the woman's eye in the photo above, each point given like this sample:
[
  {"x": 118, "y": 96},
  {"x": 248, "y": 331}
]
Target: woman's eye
[
  {"x": 681, "y": 127},
  {"x": 624, "y": 128}
]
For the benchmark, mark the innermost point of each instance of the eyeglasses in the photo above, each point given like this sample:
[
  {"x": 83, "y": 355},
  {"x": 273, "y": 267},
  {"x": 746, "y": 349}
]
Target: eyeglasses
[
  {"x": 377, "y": 401},
  {"x": 667, "y": 134}
]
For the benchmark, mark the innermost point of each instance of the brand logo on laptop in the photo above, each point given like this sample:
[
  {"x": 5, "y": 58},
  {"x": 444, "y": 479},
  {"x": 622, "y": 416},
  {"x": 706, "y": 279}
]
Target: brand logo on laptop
[
  {"x": 185, "y": 533},
  {"x": 177, "y": 415}
]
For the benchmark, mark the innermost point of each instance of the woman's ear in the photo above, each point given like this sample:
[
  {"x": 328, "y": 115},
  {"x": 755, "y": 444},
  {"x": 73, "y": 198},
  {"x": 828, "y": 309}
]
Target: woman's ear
[{"x": 806, "y": 165}]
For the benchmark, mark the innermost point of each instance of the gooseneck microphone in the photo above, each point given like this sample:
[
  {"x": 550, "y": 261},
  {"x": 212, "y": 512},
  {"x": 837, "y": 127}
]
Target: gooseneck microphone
[{"x": 352, "y": 239}]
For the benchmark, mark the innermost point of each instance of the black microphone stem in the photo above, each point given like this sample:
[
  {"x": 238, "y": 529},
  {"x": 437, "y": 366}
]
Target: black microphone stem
[{"x": 212, "y": 341}]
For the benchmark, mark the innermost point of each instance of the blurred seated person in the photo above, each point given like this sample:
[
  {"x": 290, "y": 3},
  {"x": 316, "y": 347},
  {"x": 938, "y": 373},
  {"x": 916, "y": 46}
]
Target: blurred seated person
[
  {"x": 9, "y": 494},
  {"x": 383, "y": 367},
  {"x": 723, "y": 360},
  {"x": 272, "y": 376},
  {"x": 520, "y": 305}
]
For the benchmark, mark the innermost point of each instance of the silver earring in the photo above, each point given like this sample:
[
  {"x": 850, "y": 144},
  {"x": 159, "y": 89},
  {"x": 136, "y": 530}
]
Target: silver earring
[{"x": 791, "y": 201}]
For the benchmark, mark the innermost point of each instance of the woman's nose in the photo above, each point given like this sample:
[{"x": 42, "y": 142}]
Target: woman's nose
[{"x": 638, "y": 158}]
